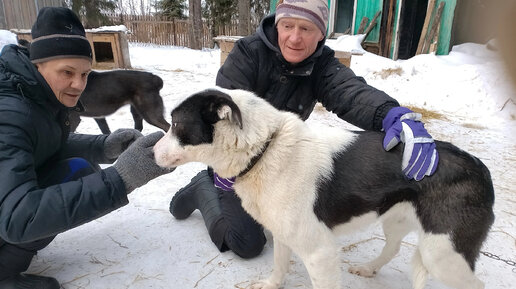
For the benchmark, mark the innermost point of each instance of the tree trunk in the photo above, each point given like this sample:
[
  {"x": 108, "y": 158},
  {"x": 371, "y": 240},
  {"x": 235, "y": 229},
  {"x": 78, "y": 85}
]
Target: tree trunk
[
  {"x": 244, "y": 22},
  {"x": 92, "y": 14},
  {"x": 142, "y": 7},
  {"x": 195, "y": 24}
]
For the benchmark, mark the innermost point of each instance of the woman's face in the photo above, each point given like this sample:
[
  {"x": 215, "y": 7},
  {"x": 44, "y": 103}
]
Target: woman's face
[
  {"x": 297, "y": 38},
  {"x": 66, "y": 77}
]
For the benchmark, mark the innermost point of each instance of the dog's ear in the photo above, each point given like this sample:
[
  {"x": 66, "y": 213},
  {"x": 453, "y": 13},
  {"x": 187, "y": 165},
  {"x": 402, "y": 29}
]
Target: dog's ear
[
  {"x": 231, "y": 112},
  {"x": 220, "y": 106},
  {"x": 24, "y": 43}
]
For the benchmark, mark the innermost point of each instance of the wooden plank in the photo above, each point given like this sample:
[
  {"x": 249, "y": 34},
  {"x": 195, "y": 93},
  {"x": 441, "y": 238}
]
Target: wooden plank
[
  {"x": 435, "y": 40},
  {"x": 429, "y": 12},
  {"x": 371, "y": 25},
  {"x": 344, "y": 57},
  {"x": 367, "y": 8},
  {"x": 385, "y": 47},
  {"x": 433, "y": 30},
  {"x": 445, "y": 31},
  {"x": 363, "y": 25}
]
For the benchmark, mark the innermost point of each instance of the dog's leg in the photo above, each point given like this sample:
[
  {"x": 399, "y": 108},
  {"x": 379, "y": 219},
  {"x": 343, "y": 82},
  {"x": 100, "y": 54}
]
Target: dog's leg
[
  {"x": 324, "y": 269},
  {"x": 102, "y": 123},
  {"x": 138, "y": 120},
  {"x": 323, "y": 264},
  {"x": 151, "y": 109},
  {"x": 395, "y": 229},
  {"x": 445, "y": 264},
  {"x": 282, "y": 255},
  {"x": 419, "y": 272},
  {"x": 74, "y": 119}
]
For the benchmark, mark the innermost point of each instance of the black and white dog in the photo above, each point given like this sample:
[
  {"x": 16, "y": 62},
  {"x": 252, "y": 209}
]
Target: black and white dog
[{"x": 305, "y": 184}]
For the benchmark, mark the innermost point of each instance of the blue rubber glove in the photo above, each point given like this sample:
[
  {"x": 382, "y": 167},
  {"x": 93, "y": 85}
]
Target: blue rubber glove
[
  {"x": 223, "y": 183},
  {"x": 420, "y": 157}
]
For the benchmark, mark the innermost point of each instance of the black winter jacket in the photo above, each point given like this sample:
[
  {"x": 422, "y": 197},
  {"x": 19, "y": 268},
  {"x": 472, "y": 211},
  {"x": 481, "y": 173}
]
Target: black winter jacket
[
  {"x": 256, "y": 64},
  {"x": 33, "y": 132}
]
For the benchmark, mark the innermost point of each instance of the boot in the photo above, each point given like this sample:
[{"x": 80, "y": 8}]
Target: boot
[
  {"x": 200, "y": 194},
  {"x": 28, "y": 281}
]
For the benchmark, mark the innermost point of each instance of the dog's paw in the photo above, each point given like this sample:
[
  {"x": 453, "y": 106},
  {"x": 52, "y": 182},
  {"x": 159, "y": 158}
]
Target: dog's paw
[
  {"x": 263, "y": 284},
  {"x": 362, "y": 270}
]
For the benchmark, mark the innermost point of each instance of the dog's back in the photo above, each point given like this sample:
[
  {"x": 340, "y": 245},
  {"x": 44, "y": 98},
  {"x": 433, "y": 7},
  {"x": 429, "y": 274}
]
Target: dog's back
[
  {"x": 107, "y": 91},
  {"x": 456, "y": 200}
]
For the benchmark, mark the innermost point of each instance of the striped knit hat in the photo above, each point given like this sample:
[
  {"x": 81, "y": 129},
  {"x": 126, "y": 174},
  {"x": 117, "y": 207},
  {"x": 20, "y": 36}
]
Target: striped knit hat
[
  {"x": 315, "y": 11},
  {"x": 58, "y": 33}
]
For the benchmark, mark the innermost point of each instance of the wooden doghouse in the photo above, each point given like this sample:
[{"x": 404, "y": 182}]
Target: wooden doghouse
[
  {"x": 226, "y": 43},
  {"x": 110, "y": 48}
]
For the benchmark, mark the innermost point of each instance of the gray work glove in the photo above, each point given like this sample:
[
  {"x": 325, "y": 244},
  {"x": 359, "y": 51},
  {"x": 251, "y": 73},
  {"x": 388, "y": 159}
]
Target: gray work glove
[
  {"x": 136, "y": 166},
  {"x": 118, "y": 141}
]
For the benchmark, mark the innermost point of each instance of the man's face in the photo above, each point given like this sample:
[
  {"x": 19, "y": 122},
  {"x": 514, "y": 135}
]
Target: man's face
[
  {"x": 297, "y": 38},
  {"x": 66, "y": 77}
]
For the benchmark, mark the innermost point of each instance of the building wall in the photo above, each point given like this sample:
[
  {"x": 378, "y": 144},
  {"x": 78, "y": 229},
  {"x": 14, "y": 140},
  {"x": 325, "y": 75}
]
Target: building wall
[
  {"x": 368, "y": 9},
  {"x": 478, "y": 21},
  {"x": 447, "y": 20},
  {"x": 21, "y": 14},
  {"x": 445, "y": 32}
]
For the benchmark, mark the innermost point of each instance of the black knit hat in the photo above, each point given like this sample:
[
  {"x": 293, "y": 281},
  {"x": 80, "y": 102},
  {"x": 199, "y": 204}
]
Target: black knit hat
[{"x": 58, "y": 33}]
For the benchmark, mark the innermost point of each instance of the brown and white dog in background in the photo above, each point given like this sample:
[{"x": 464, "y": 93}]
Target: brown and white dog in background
[{"x": 307, "y": 184}]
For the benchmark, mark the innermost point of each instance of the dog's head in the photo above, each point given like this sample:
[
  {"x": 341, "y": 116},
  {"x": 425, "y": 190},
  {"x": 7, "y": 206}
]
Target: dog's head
[
  {"x": 215, "y": 127},
  {"x": 193, "y": 120}
]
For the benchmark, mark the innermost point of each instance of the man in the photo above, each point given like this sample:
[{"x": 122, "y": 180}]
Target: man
[
  {"x": 287, "y": 63},
  {"x": 50, "y": 179}
]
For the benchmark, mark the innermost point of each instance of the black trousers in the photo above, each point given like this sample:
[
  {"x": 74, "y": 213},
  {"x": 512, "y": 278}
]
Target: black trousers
[
  {"x": 16, "y": 258},
  {"x": 235, "y": 229}
]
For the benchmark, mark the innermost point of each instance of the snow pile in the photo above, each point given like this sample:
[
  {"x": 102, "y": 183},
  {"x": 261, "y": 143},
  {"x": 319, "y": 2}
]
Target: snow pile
[{"x": 7, "y": 37}]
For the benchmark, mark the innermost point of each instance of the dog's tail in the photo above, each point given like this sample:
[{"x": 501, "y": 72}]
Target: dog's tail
[
  {"x": 419, "y": 272},
  {"x": 157, "y": 82}
]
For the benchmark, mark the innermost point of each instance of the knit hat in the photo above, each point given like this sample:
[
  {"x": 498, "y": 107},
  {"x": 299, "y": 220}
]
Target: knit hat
[
  {"x": 58, "y": 33},
  {"x": 315, "y": 11}
]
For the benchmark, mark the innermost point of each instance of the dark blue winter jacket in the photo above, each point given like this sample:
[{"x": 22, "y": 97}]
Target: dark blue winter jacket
[
  {"x": 34, "y": 131},
  {"x": 256, "y": 64}
]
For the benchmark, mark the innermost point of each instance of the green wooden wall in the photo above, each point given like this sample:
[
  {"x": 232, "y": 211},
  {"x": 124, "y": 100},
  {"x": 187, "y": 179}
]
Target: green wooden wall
[
  {"x": 446, "y": 26},
  {"x": 368, "y": 8}
]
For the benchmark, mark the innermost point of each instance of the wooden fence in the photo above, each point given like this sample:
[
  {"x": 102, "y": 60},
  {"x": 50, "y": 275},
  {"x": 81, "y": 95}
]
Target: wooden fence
[{"x": 163, "y": 31}]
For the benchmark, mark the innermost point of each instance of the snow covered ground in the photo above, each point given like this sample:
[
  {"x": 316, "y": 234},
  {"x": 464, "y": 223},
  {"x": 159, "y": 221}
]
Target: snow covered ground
[{"x": 465, "y": 98}]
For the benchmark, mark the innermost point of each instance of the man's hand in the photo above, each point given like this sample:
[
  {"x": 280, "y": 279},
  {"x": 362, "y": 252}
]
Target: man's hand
[
  {"x": 420, "y": 157},
  {"x": 118, "y": 141}
]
